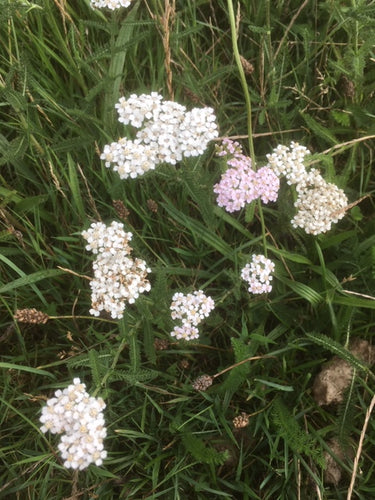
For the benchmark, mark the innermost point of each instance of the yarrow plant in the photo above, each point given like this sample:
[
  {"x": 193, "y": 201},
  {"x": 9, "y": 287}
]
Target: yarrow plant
[
  {"x": 288, "y": 162},
  {"x": 110, "y": 4},
  {"x": 191, "y": 309},
  {"x": 319, "y": 203},
  {"x": 241, "y": 184},
  {"x": 258, "y": 274},
  {"x": 64, "y": 110},
  {"x": 167, "y": 133},
  {"x": 78, "y": 417},
  {"x": 119, "y": 279}
]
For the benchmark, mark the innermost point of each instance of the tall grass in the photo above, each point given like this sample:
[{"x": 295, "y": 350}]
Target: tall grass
[{"x": 310, "y": 78}]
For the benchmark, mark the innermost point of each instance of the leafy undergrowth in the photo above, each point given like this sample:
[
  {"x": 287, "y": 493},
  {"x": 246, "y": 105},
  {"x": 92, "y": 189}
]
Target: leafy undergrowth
[{"x": 262, "y": 429}]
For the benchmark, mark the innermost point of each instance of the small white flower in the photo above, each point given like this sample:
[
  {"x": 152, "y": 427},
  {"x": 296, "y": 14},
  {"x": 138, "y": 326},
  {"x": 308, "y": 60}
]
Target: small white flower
[
  {"x": 319, "y": 203},
  {"x": 166, "y": 134},
  {"x": 191, "y": 309},
  {"x": 289, "y": 162},
  {"x": 82, "y": 429},
  {"x": 318, "y": 207},
  {"x": 185, "y": 332},
  {"x": 118, "y": 278},
  {"x": 110, "y": 4},
  {"x": 258, "y": 274}
]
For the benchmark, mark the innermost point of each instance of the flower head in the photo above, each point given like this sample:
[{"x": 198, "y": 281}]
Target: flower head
[
  {"x": 197, "y": 129},
  {"x": 138, "y": 108},
  {"x": 202, "y": 383},
  {"x": 229, "y": 147},
  {"x": 241, "y": 421},
  {"x": 258, "y": 274},
  {"x": 32, "y": 316},
  {"x": 319, "y": 206},
  {"x": 107, "y": 240},
  {"x": 166, "y": 134},
  {"x": 267, "y": 184},
  {"x": 319, "y": 203},
  {"x": 118, "y": 278},
  {"x": 191, "y": 309},
  {"x": 237, "y": 185},
  {"x": 110, "y": 4},
  {"x": 79, "y": 418},
  {"x": 240, "y": 184},
  {"x": 289, "y": 162}
]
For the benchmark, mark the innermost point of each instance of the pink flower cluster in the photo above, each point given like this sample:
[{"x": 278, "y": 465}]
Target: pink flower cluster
[{"x": 240, "y": 184}]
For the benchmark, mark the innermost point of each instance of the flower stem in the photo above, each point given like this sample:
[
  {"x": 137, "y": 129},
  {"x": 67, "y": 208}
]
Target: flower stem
[
  {"x": 262, "y": 223},
  {"x": 245, "y": 88}
]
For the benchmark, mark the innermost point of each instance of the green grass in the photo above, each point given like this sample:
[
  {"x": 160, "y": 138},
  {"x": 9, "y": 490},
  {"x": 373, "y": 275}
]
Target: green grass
[{"x": 63, "y": 66}]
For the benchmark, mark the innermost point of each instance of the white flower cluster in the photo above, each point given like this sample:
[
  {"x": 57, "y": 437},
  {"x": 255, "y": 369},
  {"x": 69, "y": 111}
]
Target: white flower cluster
[
  {"x": 289, "y": 162},
  {"x": 258, "y": 274},
  {"x": 167, "y": 133},
  {"x": 118, "y": 277},
  {"x": 79, "y": 418},
  {"x": 110, "y": 4},
  {"x": 191, "y": 309},
  {"x": 319, "y": 204}
]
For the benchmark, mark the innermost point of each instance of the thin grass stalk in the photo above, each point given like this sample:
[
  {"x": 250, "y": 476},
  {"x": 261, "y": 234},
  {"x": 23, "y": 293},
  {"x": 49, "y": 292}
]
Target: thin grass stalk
[
  {"x": 166, "y": 22},
  {"x": 360, "y": 446}
]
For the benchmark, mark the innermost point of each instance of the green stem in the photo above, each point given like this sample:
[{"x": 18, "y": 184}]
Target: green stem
[
  {"x": 245, "y": 88},
  {"x": 262, "y": 223},
  {"x": 93, "y": 318}
]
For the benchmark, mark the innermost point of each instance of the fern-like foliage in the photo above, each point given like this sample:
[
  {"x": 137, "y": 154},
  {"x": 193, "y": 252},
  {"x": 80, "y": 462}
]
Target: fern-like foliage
[
  {"x": 96, "y": 367},
  {"x": 147, "y": 331},
  {"x": 196, "y": 184},
  {"x": 202, "y": 453},
  {"x": 134, "y": 352},
  {"x": 295, "y": 437},
  {"x": 131, "y": 335},
  {"x": 148, "y": 341},
  {"x": 340, "y": 351},
  {"x": 238, "y": 374},
  {"x": 132, "y": 378},
  {"x": 97, "y": 362},
  {"x": 161, "y": 298}
]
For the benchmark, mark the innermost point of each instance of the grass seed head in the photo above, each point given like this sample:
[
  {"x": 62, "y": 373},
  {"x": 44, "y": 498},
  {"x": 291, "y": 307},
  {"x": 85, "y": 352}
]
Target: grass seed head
[
  {"x": 241, "y": 421},
  {"x": 202, "y": 383},
  {"x": 31, "y": 316}
]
